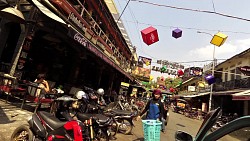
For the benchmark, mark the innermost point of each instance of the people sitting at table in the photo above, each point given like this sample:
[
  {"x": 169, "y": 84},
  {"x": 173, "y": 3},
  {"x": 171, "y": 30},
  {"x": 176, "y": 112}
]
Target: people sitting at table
[{"x": 43, "y": 84}]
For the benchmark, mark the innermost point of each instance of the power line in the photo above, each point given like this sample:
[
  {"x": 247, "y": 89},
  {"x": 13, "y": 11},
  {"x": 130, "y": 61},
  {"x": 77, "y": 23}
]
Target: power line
[
  {"x": 190, "y": 28},
  {"x": 123, "y": 11},
  {"x": 194, "y": 10}
]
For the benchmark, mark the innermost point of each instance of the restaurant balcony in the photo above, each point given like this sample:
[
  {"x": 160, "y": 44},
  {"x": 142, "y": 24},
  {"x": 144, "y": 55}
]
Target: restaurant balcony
[
  {"x": 102, "y": 40},
  {"x": 221, "y": 86},
  {"x": 232, "y": 84}
]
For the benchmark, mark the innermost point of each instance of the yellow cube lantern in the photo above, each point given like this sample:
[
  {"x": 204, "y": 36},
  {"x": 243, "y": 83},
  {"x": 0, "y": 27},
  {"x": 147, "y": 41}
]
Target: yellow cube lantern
[{"x": 218, "y": 39}]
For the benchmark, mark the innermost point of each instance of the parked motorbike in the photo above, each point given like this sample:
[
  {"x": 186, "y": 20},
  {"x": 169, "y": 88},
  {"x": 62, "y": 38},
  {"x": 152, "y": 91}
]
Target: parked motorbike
[
  {"x": 43, "y": 126},
  {"x": 122, "y": 119},
  {"x": 97, "y": 125},
  {"x": 223, "y": 120}
]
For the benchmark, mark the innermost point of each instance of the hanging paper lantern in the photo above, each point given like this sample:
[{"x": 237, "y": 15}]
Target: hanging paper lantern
[
  {"x": 218, "y": 39},
  {"x": 149, "y": 35},
  {"x": 163, "y": 69},
  {"x": 176, "y": 33},
  {"x": 171, "y": 90},
  {"x": 180, "y": 83},
  {"x": 180, "y": 72},
  {"x": 151, "y": 77},
  {"x": 162, "y": 78},
  {"x": 210, "y": 79}
]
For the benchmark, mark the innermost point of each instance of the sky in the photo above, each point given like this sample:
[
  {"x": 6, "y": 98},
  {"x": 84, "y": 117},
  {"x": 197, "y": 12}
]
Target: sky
[{"x": 192, "y": 49}]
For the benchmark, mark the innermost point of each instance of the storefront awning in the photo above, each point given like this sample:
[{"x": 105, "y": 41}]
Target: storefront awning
[
  {"x": 78, "y": 37},
  {"x": 245, "y": 95},
  {"x": 47, "y": 12}
]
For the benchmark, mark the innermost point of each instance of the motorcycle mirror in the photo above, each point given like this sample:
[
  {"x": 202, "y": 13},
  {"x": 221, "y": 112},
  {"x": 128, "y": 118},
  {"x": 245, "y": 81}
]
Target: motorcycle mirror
[{"x": 183, "y": 136}]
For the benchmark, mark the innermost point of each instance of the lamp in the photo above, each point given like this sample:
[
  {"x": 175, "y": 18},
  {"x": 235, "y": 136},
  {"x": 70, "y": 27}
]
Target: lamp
[{"x": 12, "y": 14}]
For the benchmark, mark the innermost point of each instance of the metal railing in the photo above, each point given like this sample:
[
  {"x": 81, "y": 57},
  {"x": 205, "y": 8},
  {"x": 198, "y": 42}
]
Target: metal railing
[{"x": 222, "y": 86}]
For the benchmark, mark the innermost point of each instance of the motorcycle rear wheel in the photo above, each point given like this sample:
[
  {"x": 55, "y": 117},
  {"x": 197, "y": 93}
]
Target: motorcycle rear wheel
[{"x": 22, "y": 133}]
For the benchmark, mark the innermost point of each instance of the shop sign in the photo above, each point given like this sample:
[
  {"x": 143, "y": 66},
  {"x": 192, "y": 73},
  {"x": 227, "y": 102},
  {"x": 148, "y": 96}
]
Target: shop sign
[
  {"x": 76, "y": 21},
  {"x": 191, "y": 88},
  {"x": 125, "y": 84},
  {"x": 241, "y": 98},
  {"x": 245, "y": 70},
  {"x": 83, "y": 41},
  {"x": 80, "y": 39}
]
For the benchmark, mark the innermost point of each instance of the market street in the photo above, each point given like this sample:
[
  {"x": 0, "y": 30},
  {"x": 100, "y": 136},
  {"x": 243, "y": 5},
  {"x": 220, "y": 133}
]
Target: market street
[{"x": 11, "y": 117}]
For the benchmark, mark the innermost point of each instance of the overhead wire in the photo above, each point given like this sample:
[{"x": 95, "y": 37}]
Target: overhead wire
[
  {"x": 194, "y": 10},
  {"x": 191, "y": 28}
]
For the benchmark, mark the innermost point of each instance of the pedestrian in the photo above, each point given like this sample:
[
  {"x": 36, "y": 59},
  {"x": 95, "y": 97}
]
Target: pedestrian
[{"x": 155, "y": 109}]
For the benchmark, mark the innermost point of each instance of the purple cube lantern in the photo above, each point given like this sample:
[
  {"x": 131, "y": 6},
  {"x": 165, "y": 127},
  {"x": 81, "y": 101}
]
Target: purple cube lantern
[
  {"x": 210, "y": 79},
  {"x": 176, "y": 33}
]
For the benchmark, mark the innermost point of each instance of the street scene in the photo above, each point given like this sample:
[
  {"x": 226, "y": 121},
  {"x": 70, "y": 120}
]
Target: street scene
[{"x": 125, "y": 70}]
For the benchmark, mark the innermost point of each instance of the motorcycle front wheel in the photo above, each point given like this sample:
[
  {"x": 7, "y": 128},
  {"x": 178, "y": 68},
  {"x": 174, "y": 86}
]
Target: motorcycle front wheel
[
  {"x": 102, "y": 135},
  {"x": 125, "y": 127},
  {"x": 22, "y": 133}
]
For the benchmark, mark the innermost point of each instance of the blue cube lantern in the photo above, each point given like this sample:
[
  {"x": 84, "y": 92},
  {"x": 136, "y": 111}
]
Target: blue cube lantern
[
  {"x": 210, "y": 79},
  {"x": 176, "y": 33}
]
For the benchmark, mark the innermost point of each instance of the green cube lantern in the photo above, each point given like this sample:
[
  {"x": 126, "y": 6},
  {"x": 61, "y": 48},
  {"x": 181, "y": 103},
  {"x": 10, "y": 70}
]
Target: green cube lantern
[{"x": 218, "y": 39}]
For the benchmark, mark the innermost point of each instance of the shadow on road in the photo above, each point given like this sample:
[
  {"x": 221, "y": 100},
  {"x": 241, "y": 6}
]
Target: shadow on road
[
  {"x": 180, "y": 125},
  {"x": 139, "y": 139},
  {"x": 4, "y": 118}
]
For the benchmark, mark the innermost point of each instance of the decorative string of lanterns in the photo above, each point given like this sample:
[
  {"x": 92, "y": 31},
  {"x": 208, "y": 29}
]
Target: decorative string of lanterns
[{"x": 150, "y": 35}]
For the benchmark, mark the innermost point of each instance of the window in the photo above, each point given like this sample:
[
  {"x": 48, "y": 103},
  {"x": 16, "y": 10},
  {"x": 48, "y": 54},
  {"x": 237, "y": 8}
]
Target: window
[{"x": 232, "y": 74}]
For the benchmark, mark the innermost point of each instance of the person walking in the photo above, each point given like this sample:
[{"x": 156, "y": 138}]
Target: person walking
[{"x": 155, "y": 109}]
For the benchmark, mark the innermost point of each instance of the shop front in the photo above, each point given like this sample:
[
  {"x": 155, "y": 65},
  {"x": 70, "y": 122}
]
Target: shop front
[{"x": 66, "y": 56}]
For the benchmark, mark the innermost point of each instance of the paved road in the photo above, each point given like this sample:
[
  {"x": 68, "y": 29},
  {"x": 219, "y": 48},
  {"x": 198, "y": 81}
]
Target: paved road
[
  {"x": 12, "y": 116},
  {"x": 176, "y": 122}
]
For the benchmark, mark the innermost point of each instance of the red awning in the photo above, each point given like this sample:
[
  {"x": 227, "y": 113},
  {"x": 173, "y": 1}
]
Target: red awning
[{"x": 245, "y": 95}]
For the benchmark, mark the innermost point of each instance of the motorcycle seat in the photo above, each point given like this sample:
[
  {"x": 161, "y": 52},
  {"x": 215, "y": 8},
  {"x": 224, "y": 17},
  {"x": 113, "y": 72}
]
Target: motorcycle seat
[
  {"x": 98, "y": 117},
  {"x": 118, "y": 112},
  {"x": 51, "y": 120}
]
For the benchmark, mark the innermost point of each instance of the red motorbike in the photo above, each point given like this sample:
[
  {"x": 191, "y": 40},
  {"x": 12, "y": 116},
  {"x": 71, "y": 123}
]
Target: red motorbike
[{"x": 43, "y": 126}]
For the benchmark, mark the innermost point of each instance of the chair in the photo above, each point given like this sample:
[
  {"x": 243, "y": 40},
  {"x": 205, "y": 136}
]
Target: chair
[
  {"x": 74, "y": 90},
  {"x": 34, "y": 95}
]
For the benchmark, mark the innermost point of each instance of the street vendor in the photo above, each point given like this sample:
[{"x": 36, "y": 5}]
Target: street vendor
[{"x": 155, "y": 109}]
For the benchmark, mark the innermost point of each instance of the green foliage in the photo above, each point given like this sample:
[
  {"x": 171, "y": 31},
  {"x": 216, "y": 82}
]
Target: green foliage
[{"x": 172, "y": 82}]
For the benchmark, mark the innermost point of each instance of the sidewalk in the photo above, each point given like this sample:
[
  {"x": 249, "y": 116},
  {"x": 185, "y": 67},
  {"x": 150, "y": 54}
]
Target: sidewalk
[{"x": 11, "y": 116}]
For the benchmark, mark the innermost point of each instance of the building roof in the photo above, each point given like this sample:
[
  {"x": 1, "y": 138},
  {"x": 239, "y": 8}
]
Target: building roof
[{"x": 244, "y": 53}]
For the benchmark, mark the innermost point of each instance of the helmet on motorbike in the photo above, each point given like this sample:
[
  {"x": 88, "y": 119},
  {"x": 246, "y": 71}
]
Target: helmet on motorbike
[
  {"x": 100, "y": 91},
  {"x": 81, "y": 94}
]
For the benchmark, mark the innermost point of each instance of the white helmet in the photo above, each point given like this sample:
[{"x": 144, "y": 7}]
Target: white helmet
[
  {"x": 81, "y": 94},
  {"x": 100, "y": 91}
]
